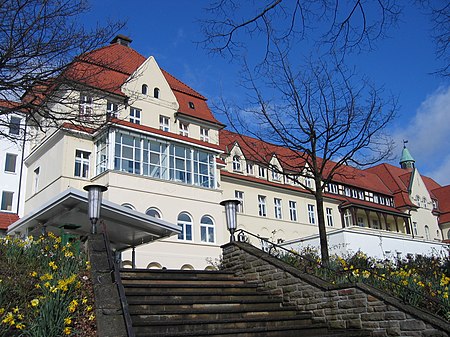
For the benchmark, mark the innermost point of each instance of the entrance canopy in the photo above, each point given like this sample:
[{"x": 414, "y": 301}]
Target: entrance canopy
[{"x": 68, "y": 212}]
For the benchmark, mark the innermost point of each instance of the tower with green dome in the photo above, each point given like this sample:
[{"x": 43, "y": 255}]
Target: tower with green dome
[{"x": 406, "y": 160}]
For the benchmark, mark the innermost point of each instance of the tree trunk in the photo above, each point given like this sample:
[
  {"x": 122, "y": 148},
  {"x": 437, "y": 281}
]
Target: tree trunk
[{"x": 321, "y": 224}]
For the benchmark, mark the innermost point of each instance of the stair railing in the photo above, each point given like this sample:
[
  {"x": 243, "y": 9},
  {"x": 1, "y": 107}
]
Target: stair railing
[
  {"x": 118, "y": 281},
  {"x": 335, "y": 276}
]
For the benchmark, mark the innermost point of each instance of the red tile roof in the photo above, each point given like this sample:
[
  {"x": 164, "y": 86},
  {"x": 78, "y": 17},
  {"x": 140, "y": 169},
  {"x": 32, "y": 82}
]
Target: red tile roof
[
  {"x": 7, "y": 219},
  {"x": 443, "y": 196}
]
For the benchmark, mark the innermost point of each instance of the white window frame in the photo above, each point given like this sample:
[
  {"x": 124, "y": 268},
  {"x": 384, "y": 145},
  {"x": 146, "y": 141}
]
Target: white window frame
[
  {"x": 204, "y": 134},
  {"x": 277, "y": 208},
  {"x": 184, "y": 128},
  {"x": 82, "y": 159},
  {"x": 86, "y": 107},
  {"x": 7, "y": 196},
  {"x": 348, "y": 219},
  {"x": 311, "y": 214},
  {"x": 333, "y": 188},
  {"x": 237, "y": 166},
  {"x": 262, "y": 209},
  {"x": 415, "y": 230},
  {"x": 293, "y": 210},
  {"x": 261, "y": 171},
  {"x": 207, "y": 230},
  {"x": 276, "y": 175},
  {"x": 250, "y": 168},
  {"x": 36, "y": 173},
  {"x": 154, "y": 212},
  {"x": 239, "y": 195},
  {"x": 135, "y": 115},
  {"x": 112, "y": 109},
  {"x": 164, "y": 123},
  {"x": 329, "y": 213},
  {"x": 184, "y": 224},
  {"x": 12, "y": 159},
  {"x": 427, "y": 232}
]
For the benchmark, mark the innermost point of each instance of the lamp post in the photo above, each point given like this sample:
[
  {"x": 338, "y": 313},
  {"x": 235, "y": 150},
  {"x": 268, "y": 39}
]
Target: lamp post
[
  {"x": 230, "y": 214},
  {"x": 94, "y": 204}
]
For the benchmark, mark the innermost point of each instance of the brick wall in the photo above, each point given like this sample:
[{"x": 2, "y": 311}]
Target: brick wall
[{"x": 349, "y": 306}]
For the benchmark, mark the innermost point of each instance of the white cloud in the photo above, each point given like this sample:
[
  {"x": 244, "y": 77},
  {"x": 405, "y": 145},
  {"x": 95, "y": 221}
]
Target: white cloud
[{"x": 428, "y": 135}]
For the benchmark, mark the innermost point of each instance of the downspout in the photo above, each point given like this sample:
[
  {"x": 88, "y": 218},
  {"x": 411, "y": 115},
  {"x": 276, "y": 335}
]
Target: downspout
[{"x": 21, "y": 166}]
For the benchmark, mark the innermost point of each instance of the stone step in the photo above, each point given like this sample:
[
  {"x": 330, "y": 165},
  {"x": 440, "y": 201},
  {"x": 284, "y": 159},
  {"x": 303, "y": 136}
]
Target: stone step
[
  {"x": 141, "y": 317},
  {"x": 183, "y": 288},
  {"x": 170, "y": 328},
  {"x": 200, "y": 282},
  {"x": 176, "y": 274},
  {"x": 199, "y": 300},
  {"x": 139, "y": 294}
]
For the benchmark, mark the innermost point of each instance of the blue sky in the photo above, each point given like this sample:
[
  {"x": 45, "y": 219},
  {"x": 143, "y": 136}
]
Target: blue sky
[{"x": 169, "y": 30}]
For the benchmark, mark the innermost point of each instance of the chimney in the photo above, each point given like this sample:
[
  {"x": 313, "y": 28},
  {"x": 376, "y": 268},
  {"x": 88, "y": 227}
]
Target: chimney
[{"x": 122, "y": 40}]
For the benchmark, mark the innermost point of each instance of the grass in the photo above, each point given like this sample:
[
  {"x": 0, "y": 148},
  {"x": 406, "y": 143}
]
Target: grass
[{"x": 45, "y": 289}]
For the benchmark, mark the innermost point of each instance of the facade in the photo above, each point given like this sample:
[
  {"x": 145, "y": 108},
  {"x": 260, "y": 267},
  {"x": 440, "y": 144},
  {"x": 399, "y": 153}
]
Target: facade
[
  {"x": 12, "y": 173},
  {"x": 161, "y": 151}
]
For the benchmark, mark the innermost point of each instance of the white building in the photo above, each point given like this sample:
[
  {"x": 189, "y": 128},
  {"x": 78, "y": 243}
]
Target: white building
[{"x": 161, "y": 151}]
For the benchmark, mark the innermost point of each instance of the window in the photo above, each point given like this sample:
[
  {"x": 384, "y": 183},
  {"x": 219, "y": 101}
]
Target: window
[
  {"x": 277, "y": 208},
  {"x": 184, "y": 129},
  {"x": 448, "y": 234},
  {"x": 207, "y": 229},
  {"x": 332, "y": 188},
  {"x": 361, "y": 195},
  {"x": 311, "y": 214},
  {"x": 35, "y": 180},
  {"x": 434, "y": 203},
  {"x": 138, "y": 154},
  {"x": 415, "y": 228},
  {"x": 129, "y": 206},
  {"x": 82, "y": 164},
  {"x": 249, "y": 168},
  {"x": 360, "y": 222},
  {"x": 164, "y": 123},
  {"x": 144, "y": 89},
  {"x": 204, "y": 134},
  {"x": 261, "y": 172},
  {"x": 375, "y": 224},
  {"x": 308, "y": 182},
  {"x": 240, "y": 196},
  {"x": 185, "y": 222},
  {"x": 427, "y": 232},
  {"x": 7, "y": 200},
  {"x": 101, "y": 155},
  {"x": 262, "y": 205},
  {"x": 292, "y": 210},
  {"x": 424, "y": 202},
  {"x": 112, "y": 110},
  {"x": 153, "y": 212},
  {"x": 348, "y": 220},
  {"x": 347, "y": 191},
  {"x": 135, "y": 115},
  {"x": 86, "y": 107},
  {"x": 329, "y": 212},
  {"x": 156, "y": 92},
  {"x": 275, "y": 175},
  {"x": 191, "y": 105},
  {"x": 354, "y": 193},
  {"x": 237, "y": 163},
  {"x": 10, "y": 163},
  {"x": 14, "y": 125}
]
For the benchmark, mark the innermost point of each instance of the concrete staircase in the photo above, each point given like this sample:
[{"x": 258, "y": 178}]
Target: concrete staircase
[{"x": 205, "y": 303}]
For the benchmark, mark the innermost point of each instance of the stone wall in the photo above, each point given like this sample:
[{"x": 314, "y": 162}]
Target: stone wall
[{"x": 351, "y": 306}]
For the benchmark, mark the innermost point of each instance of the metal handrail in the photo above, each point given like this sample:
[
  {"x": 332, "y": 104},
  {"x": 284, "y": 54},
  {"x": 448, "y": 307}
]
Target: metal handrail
[
  {"x": 273, "y": 250},
  {"x": 118, "y": 281}
]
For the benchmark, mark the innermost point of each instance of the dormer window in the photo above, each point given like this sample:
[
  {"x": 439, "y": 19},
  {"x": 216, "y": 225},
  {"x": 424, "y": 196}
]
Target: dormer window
[
  {"x": 191, "y": 105},
  {"x": 184, "y": 129},
  {"x": 156, "y": 92},
  {"x": 204, "y": 134},
  {"x": 237, "y": 163},
  {"x": 86, "y": 107},
  {"x": 144, "y": 89}
]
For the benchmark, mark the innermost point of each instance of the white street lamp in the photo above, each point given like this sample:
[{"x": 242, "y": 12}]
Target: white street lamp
[
  {"x": 230, "y": 214},
  {"x": 94, "y": 204}
]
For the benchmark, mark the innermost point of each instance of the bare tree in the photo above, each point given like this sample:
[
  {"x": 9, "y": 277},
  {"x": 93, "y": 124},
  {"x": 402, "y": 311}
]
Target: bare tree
[
  {"x": 336, "y": 26},
  {"x": 39, "y": 44},
  {"x": 324, "y": 119}
]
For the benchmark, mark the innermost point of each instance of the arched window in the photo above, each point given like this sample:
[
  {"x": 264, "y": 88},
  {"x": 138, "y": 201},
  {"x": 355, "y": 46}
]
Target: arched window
[
  {"x": 427, "y": 232},
  {"x": 185, "y": 222},
  {"x": 187, "y": 267},
  {"x": 154, "y": 212},
  {"x": 129, "y": 206},
  {"x": 236, "y": 163},
  {"x": 127, "y": 264},
  {"x": 156, "y": 92},
  {"x": 144, "y": 89},
  {"x": 207, "y": 229},
  {"x": 154, "y": 265}
]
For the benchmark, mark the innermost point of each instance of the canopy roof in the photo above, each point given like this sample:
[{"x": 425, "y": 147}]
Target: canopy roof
[{"x": 68, "y": 211}]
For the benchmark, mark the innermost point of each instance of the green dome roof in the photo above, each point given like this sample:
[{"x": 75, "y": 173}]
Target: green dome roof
[{"x": 406, "y": 157}]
